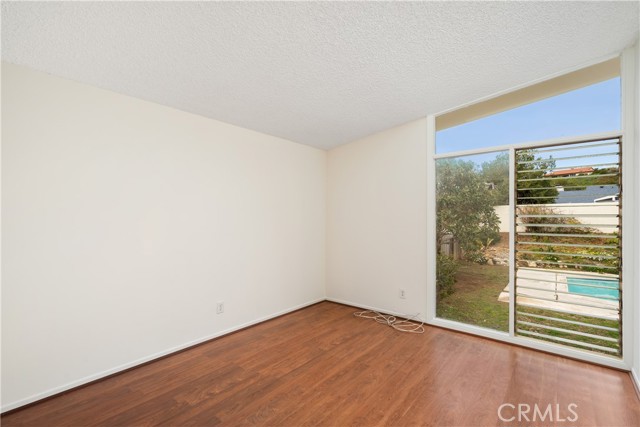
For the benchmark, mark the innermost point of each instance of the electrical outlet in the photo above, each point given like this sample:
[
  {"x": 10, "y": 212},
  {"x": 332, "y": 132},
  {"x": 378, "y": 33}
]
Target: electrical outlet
[
  {"x": 403, "y": 294},
  {"x": 220, "y": 307}
]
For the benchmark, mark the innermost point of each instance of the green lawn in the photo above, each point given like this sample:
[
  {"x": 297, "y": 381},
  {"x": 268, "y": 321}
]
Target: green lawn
[
  {"x": 475, "y": 297},
  {"x": 571, "y": 327},
  {"x": 475, "y": 302}
]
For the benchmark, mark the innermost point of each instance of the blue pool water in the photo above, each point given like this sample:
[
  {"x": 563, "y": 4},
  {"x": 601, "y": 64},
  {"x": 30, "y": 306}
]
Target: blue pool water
[{"x": 609, "y": 287}]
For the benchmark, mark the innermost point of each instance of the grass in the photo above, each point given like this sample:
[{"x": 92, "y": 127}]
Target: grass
[
  {"x": 570, "y": 327},
  {"x": 475, "y": 297},
  {"x": 475, "y": 302}
]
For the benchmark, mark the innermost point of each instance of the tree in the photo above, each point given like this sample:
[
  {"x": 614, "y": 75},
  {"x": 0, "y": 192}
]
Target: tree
[
  {"x": 496, "y": 172},
  {"x": 464, "y": 207},
  {"x": 528, "y": 166}
]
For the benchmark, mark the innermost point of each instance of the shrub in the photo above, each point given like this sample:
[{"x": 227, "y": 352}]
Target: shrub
[
  {"x": 446, "y": 269},
  {"x": 549, "y": 219}
]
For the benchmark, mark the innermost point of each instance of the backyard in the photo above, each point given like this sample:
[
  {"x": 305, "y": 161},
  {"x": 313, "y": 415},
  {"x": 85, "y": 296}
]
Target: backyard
[
  {"x": 567, "y": 255},
  {"x": 475, "y": 297},
  {"x": 474, "y": 301}
]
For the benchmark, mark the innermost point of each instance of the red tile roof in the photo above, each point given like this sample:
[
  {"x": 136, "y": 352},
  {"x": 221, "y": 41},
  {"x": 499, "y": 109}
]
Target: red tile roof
[{"x": 574, "y": 171}]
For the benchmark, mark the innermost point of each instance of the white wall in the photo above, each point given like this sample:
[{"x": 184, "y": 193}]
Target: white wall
[
  {"x": 503, "y": 215},
  {"x": 124, "y": 222},
  {"x": 376, "y": 220},
  {"x": 634, "y": 120}
]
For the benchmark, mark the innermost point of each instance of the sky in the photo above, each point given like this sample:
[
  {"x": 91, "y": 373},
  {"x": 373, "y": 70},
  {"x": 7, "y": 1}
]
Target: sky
[{"x": 584, "y": 111}]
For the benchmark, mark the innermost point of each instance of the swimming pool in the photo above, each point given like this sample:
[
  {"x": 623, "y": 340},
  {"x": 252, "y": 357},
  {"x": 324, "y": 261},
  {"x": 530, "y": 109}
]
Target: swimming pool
[{"x": 582, "y": 286}]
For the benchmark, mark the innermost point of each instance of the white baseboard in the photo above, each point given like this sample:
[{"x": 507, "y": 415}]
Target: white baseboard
[
  {"x": 635, "y": 379},
  {"x": 134, "y": 363},
  {"x": 416, "y": 316}
]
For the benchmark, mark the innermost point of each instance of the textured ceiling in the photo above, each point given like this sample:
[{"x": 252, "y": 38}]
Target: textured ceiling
[{"x": 320, "y": 73}]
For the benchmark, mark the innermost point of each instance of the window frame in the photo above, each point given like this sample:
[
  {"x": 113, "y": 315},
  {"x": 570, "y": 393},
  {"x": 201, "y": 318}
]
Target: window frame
[{"x": 627, "y": 133}]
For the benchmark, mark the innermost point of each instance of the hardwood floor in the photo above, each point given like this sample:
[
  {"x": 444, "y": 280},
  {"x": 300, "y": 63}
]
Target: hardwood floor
[{"x": 323, "y": 366}]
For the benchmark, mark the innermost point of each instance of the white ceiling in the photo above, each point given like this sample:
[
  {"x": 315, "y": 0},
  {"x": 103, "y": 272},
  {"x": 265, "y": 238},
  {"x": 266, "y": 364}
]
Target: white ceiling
[{"x": 319, "y": 73}]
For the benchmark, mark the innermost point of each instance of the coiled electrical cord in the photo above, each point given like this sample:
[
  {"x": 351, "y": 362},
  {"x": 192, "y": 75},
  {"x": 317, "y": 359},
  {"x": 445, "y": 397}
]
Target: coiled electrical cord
[{"x": 408, "y": 324}]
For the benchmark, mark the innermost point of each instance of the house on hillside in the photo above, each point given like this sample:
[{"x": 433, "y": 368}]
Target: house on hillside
[{"x": 571, "y": 172}]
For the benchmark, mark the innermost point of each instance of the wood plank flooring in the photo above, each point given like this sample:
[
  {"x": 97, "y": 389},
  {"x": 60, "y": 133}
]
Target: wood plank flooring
[{"x": 323, "y": 366}]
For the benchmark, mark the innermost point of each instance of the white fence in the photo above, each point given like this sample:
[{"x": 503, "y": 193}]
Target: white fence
[{"x": 570, "y": 208}]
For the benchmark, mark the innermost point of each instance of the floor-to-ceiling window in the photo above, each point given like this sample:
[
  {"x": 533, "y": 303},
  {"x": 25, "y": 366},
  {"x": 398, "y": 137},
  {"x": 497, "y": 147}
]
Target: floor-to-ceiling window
[
  {"x": 528, "y": 215},
  {"x": 472, "y": 232},
  {"x": 568, "y": 245}
]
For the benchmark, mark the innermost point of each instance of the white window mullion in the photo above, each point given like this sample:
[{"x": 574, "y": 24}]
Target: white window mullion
[
  {"x": 512, "y": 242},
  {"x": 431, "y": 219},
  {"x": 630, "y": 270}
]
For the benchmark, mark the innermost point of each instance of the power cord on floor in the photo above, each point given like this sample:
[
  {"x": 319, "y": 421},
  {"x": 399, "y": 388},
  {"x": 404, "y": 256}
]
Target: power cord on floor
[{"x": 408, "y": 324}]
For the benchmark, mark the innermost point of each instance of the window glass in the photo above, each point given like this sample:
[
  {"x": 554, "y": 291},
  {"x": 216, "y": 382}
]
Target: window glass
[
  {"x": 472, "y": 232},
  {"x": 592, "y": 109}
]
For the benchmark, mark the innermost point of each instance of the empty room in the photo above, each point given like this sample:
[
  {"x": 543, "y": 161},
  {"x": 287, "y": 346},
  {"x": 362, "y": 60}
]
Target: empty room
[{"x": 320, "y": 213}]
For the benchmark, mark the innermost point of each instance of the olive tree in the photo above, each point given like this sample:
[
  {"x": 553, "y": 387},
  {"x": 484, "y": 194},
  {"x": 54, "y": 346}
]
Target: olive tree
[{"x": 465, "y": 207}]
